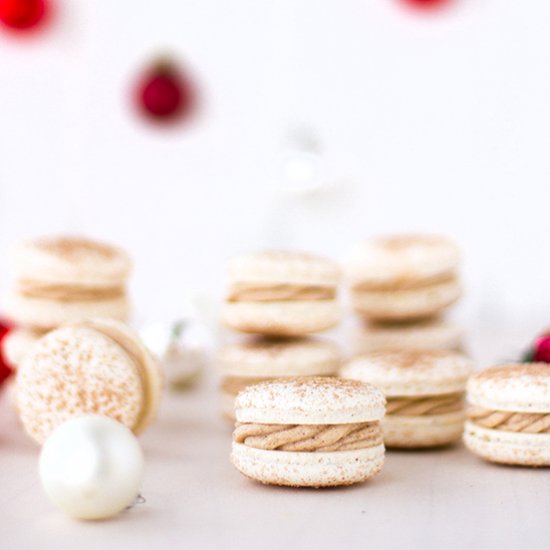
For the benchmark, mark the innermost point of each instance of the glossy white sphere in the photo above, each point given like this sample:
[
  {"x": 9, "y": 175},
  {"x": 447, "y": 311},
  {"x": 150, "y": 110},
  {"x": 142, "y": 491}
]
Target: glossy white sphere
[{"x": 91, "y": 467}]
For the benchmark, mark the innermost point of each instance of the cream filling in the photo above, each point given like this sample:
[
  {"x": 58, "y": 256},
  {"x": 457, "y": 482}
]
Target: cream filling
[
  {"x": 404, "y": 283},
  {"x": 247, "y": 292},
  {"x": 425, "y": 406},
  {"x": 68, "y": 293},
  {"x": 309, "y": 438},
  {"x": 532, "y": 423}
]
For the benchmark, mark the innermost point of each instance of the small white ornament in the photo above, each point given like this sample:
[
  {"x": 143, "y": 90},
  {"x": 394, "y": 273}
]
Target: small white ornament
[{"x": 91, "y": 467}]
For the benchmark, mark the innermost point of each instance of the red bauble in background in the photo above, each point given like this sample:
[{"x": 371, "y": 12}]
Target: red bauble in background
[
  {"x": 165, "y": 93},
  {"x": 22, "y": 15},
  {"x": 426, "y": 4},
  {"x": 5, "y": 370},
  {"x": 541, "y": 349}
]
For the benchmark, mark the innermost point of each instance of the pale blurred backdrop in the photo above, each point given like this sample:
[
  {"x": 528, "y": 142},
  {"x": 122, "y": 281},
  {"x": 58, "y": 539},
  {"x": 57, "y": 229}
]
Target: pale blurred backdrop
[{"x": 433, "y": 122}]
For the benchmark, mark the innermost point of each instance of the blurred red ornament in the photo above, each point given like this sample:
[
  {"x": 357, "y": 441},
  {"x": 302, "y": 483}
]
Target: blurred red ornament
[
  {"x": 5, "y": 370},
  {"x": 164, "y": 93},
  {"x": 426, "y": 4},
  {"x": 541, "y": 349},
  {"x": 23, "y": 14}
]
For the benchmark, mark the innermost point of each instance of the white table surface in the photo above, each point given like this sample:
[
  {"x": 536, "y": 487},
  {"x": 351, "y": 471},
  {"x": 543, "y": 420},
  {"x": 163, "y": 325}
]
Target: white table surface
[{"x": 440, "y": 499}]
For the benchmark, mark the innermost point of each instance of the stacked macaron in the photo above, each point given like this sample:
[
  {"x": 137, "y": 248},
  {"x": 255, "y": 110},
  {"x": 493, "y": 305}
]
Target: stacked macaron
[
  {"x": 400, "y": 286},
  {"x": 424, "y": 392},
  {"x": 97, "y": 367},
  {"x": 61, "y": 280},
  {"x": 282, "y": 298},
  {"x": 509, "y": 414}
]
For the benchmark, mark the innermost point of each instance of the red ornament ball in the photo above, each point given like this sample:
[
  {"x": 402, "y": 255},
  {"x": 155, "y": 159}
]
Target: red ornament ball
[
  {"x": 164, "y": 93},
  {"x": 22, "y": 14},
  {"x": 541, "y": 349},
  {"x": 426, "y": 4},
  {"x": 5, "y": 370}
]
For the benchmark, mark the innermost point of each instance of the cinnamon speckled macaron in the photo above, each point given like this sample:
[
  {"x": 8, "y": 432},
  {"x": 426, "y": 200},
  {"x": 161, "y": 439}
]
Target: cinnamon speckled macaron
[
  {"x": 424, "y": 392},
  {"x": 67, "y": 279},
  {"x": 428, "y": 334},
  {"x": 94, "y": 367},
  {"x": 281, "y": 294},
  {"x": 309, "y": 432},
  {"x": 403, "y": 277},
  {"x": 261, "y": 359},
  {"x": 509, "y": 414}
]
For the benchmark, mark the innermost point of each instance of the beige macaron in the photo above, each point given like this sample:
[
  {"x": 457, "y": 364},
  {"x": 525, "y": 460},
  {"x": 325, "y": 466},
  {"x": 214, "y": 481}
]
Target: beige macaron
[
  {"x": 67, "y": 279},
  {"x": 509, "y": 414},
  {"x": 403, "y": 277},
  {"x": 17, "y": 343},
  {"x": 97, "y": 366},
  {"x": 281, "y": 294},
  {"x": 260, "y": 359},
  {"x": 309, "y": 432},
  {"x": 422, "y": 335},
  {"x": 424, "y": 392}
]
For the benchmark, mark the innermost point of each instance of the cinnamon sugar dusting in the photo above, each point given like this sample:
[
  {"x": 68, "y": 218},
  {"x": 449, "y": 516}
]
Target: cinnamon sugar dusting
[{"x": 71, "y": 248}]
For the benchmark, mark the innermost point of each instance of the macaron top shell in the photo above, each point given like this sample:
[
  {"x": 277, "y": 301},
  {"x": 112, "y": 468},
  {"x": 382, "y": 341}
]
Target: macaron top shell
[
  {"x": 283, "y": 267},
  {"x": 279, "y": 357},
  {"x": 71, "y": 260},
  {"x": 514, "y": 387},
  {"x": 411, "y": 372},
  {"x": 86, "y": 369},
  {"x": 386, "y": 259},
  {"x": 312, "y": 400}
]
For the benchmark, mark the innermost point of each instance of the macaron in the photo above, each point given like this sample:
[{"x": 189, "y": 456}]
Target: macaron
[
  {"x": 424, "y": 392},
  {"x": 67, "y": 279},
  {"x": 260, "y": 359},
  {"x": 403, "y": 277},
  {"x": 281, "y": 294},
  {"x": 96, "y": 367},
  {"x": 17, "y": 343},
  {"x": 509, "y": 414},
  {"x": 309, "y": 432},
  {"x": 428, "y": 334}
]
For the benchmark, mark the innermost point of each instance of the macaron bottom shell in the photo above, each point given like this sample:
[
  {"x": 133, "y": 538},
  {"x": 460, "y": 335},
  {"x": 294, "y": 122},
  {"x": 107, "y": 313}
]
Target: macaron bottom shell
[
  {"x": 520, "y": 449},
  {"x": 308, "y": 469},
  {"x": 281, "y": 318},
  {"x": 422, "y": 431}
]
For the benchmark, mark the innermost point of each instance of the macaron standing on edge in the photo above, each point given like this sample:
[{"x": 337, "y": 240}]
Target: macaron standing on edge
[
  {"x": 309, "y": 432},
  {"x": 509, "y": 414},
  {"x": 97, "y": 367}
]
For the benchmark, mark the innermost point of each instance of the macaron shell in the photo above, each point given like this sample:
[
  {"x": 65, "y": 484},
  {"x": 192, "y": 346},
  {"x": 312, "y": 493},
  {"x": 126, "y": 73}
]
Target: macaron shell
[
  {"x": 397, "y": 257},
  {"x": 422, "y": 431},
  {"x": 411, "y": 373},
  {"x": 427, "y": 335},
  {"x": 294, "y": 318},
  {"x": 314, "y": 400},
  {"x": 516, "y": 387},
  {"x": 295, "y": 469},
  {"x": 522, "y": 449},
  {"x": 275, "y": 358},
  {"x": 399, "y": 305},
  {"x": 72, "y": 260},
  {"x": 290, "y": 267},
  {"x": 46, "y": 314},
  {"x": 148, "y": 367},
  {"x": 73, "y": 371}
]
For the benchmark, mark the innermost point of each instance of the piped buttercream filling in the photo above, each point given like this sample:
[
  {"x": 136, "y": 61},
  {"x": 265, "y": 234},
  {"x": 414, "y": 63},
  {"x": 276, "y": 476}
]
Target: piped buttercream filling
[
  {"x": 507, "y": 421},
  {"x": 309, "y": 438},
  {"x": 424, "y": 406},
  {"x": 404, "y": 283},
  {"x": 248, "y": 292},
  {"x": 68, "y": 293}
]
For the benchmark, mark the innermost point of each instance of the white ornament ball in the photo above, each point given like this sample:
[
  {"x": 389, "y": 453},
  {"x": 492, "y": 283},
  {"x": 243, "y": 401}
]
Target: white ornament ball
[{"x": 91, "y": 467}]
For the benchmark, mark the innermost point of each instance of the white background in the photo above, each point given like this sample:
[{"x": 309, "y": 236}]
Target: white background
[{"x": 435, "y": 122}]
